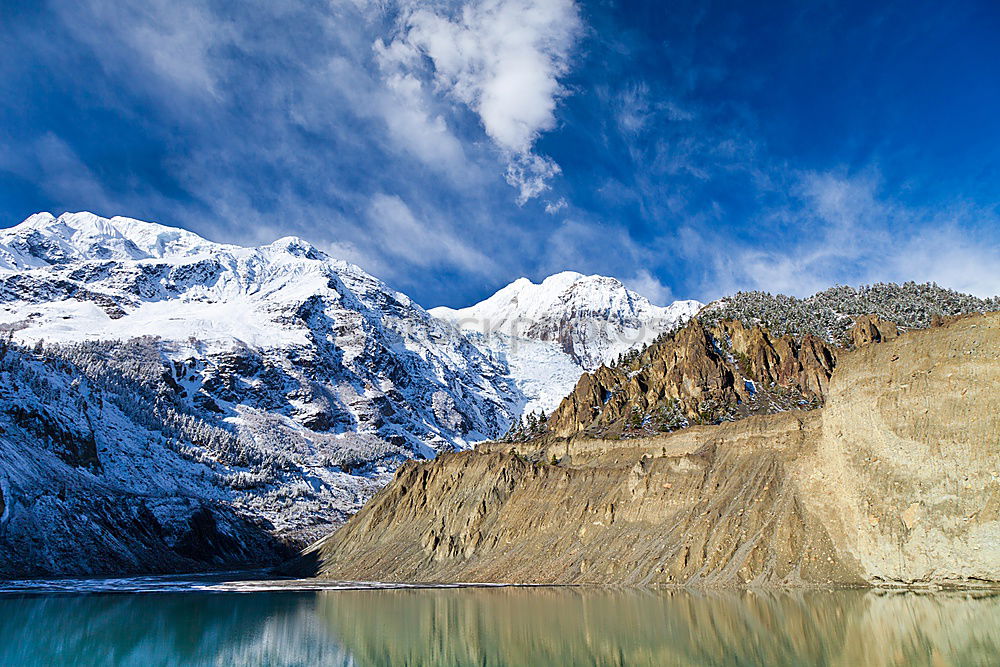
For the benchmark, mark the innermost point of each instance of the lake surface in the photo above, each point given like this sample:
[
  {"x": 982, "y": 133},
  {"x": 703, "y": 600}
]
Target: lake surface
[{"x": 209, "y": 621}]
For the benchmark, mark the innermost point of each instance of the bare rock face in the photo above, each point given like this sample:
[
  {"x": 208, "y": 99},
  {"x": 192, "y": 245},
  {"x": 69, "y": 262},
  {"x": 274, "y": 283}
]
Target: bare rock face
[
  {"x": 871, "y": 329},
  {"x": 703, "y": 514},
  {"x": 805, "y": 364},
  {"x": 895, "y": 481},
  {"x": 699, "y": 376},
  {"x": 77, "y": 448},
  {"x": 687, "y": 369},
  {"x": 815, "y": 362},
  {"x": 908, "y": 461}
]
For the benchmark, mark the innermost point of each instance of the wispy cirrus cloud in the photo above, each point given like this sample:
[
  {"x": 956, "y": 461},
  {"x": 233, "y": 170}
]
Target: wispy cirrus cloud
[
  {"x": 264, "y": 120},
  {"x": 840, "y": 228},
  {"x": 663, "y": 145},
  {"x": 176, "y": 44},
  {"x": 651, "y": 287},
  {"x": 422, "y": 242},
  {"x": 59, "y": 170}
]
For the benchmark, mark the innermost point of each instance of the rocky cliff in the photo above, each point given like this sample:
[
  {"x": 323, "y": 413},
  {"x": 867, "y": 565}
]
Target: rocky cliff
[
  {"x": 896, "y": 480},
  {"x": 704, "y": 374},
  {"x": 701, "y": 375}
]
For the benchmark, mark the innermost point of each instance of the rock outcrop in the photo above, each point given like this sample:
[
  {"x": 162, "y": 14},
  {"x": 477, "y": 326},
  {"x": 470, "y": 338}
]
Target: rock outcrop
[
  {"x": 871, "y": 329},
  {"x": 697, "y": 376},
  {"x": 895, "y": 481},
  {"x": 803, "y": 364}
]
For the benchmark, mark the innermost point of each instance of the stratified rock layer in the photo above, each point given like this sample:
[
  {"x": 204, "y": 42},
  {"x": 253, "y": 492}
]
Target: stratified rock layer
[{"x": 895, "y": 480}]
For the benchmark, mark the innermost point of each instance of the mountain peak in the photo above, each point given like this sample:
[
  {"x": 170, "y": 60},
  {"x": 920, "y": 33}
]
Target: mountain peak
[
  {"x": 40, "y": 219},
  {"x": 299, "y": 247},
  {"x": 563, "y": 278},
  {"x": 593, "y": 318}
]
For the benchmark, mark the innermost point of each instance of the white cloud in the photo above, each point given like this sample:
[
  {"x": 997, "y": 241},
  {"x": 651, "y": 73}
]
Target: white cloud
[
  {"x": 173, "y": 40},
  {"x": 841, "y": 231},
  {"x": 400, "y": 101},
  {"x": 650, "y": 287},
  {"x": 592, "y": 246},
  {"x": 952, "y": 257},
  {"x": 530, "y": 174},
  {"x": 349, "y": 252},
  {"x": 501, "y": 58},
  {"x": 414, "y": 125},
  {"x": 60, "y": 173},
  {"x": 554, "y": 207},
  {"x": 634, "y": 110}
]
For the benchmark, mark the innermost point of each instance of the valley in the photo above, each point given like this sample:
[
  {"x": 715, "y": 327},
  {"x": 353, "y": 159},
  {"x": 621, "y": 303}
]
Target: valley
[{"x": 171, "y": 404}]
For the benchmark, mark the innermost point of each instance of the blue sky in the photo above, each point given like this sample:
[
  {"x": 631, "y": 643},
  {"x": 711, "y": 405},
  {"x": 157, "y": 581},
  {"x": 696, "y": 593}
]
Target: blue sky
[{"x": 688, "y": 148}]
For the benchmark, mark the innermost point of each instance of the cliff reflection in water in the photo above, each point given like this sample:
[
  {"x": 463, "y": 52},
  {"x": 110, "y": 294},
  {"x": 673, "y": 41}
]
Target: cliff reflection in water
[
  {"x": 503, "y": 626},
  {"x": 574, "y": 626}
]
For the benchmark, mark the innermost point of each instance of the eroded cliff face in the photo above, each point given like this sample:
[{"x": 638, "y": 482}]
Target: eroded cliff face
[
  {"x": 701, "y": 514},
  {"x": 896, "y": 479},
  {"x": 869, "y": 329},
  {"x": 699, "y": 375},
  {"x": 907, "y": 466}
]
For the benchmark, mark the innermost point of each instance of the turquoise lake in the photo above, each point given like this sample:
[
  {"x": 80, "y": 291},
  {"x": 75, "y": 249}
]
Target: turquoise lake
[{"x": 173, "y": 621}]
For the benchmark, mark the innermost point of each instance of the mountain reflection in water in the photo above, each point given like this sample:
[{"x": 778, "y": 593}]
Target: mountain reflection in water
[{"x": 516, "y": 626}]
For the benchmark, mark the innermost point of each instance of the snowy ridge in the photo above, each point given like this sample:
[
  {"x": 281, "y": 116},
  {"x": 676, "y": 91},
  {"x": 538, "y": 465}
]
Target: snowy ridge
[
  {"x": 129, "y": 279},
  {"x": 593, "y": 318},
  {"x": 44, "y": 240}
]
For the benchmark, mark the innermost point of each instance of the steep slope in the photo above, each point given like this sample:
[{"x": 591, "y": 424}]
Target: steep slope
[
  {"x": 704, "y": 374},
  {"x": 894, "y": 481},
  {"x": 91, "y": 485},
  {"x": 389, "y": 369},
  {"x": 548, "y": 333},
  {"x": 286, "y": 384},
  {"x": 698, "y": 375}
]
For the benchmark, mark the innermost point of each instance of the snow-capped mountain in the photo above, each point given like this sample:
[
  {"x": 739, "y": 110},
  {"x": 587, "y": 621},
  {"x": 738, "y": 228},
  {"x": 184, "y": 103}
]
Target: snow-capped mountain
[
  {"x": 229, "y": 395},
  {"x": 323, "y": 377},
  {"x": 547, "y": 334}
]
